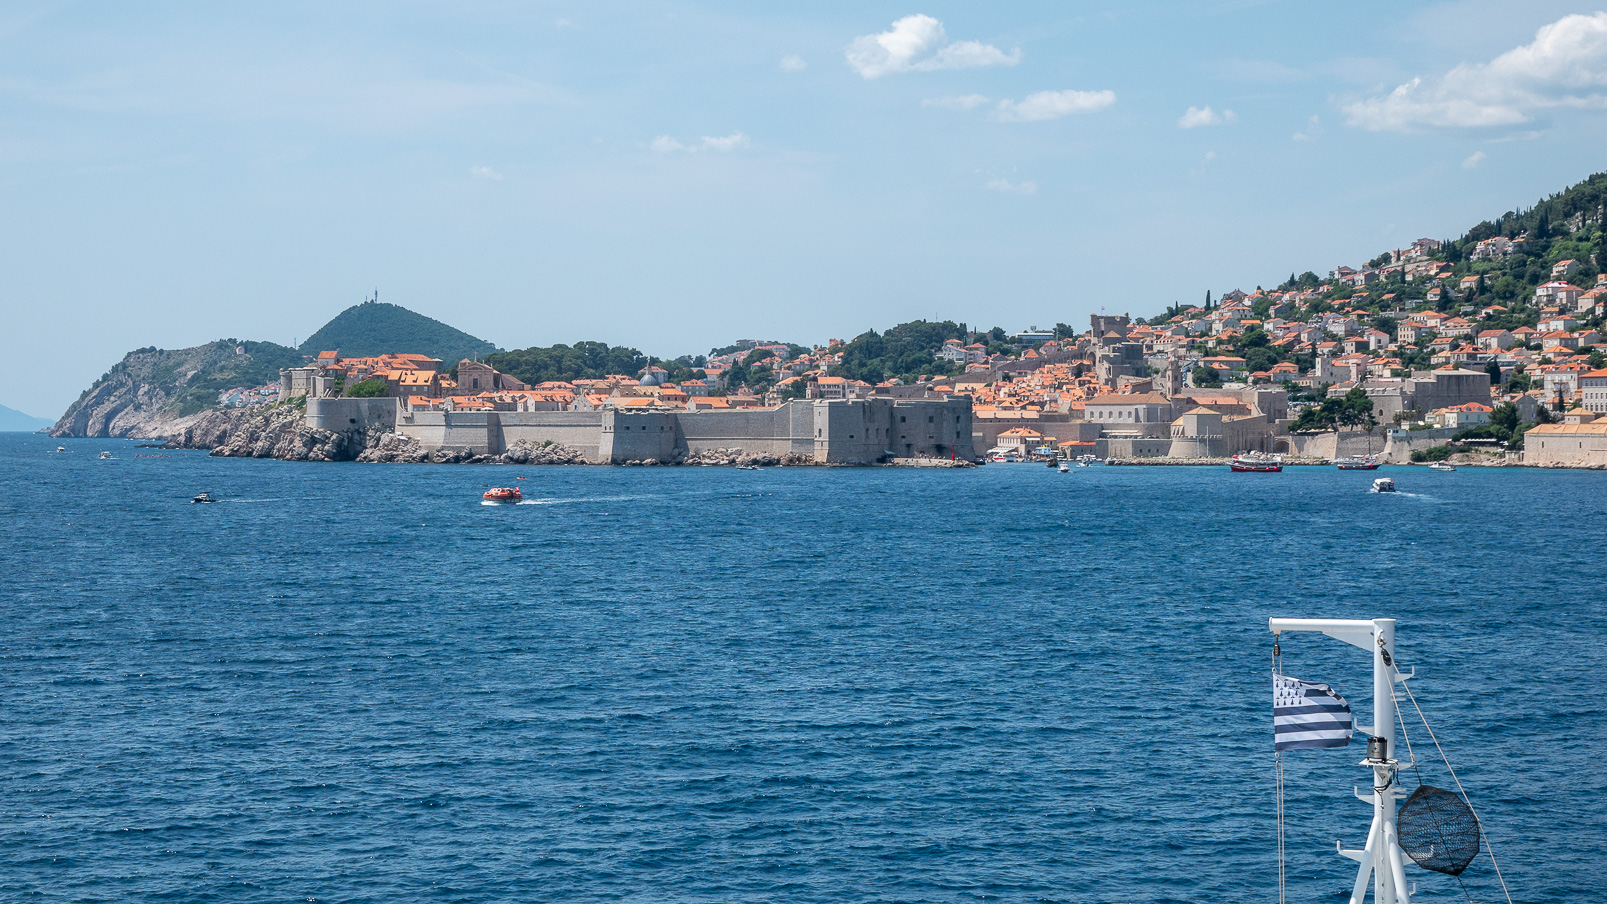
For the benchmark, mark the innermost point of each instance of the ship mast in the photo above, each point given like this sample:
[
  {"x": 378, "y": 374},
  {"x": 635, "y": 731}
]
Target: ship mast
[{"x": 1380, "y": 859}]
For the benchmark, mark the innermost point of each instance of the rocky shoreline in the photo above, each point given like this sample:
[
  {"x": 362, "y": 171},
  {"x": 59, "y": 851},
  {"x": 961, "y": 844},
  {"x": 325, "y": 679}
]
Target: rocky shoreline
[{"x": 279, "y": 432}]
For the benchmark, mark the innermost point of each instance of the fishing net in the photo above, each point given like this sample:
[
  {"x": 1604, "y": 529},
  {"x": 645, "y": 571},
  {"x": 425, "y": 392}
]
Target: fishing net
[{"x": 1438, "y": 830}]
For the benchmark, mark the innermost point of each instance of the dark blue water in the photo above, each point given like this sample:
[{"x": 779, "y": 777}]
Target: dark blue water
[{"x": 357, "y": 683}]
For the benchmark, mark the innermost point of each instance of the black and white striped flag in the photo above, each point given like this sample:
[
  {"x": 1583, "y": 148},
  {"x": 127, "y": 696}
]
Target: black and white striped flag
[{"x": 1306, "y": 714}]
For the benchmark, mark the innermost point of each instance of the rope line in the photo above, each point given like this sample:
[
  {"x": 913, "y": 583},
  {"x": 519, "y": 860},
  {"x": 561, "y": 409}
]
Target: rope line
[{"x": 1449, "y": 768}]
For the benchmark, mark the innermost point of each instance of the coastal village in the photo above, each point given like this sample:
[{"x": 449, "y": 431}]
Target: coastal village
[{"x": 1408, "y": 358}]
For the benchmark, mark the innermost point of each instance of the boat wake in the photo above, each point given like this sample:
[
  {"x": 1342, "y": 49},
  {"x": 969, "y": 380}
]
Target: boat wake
[{"x": 556, "y": 500}]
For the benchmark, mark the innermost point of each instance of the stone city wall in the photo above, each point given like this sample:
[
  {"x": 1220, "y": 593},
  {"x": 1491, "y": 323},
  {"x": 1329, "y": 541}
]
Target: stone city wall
[
  {"x": 860, "y": 431},
  {"x": 351, "y": 415},
  {"x": 1402, "y": 443}
]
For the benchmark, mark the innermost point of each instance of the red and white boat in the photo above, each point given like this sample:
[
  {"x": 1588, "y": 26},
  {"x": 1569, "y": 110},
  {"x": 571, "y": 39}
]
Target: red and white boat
[
  {"x": 1254, "y": 465},
  {"x": 503, "y": 494},
  {"x": 1365, "y": 463}
]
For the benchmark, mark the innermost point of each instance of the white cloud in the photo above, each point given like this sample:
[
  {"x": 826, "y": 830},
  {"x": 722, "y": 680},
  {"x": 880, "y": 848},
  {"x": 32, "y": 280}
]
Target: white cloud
[
  {"x": 963, "y": 102},
  {"x": 793, "y": 63},
  {"x": 731, "y": 142},
  {"x": 919, "y": 44},
  {"x": 485, "y": 172},
  {"x": 1473, "y": 160},
  {"x": 1195, "y": 117},
  {"x": 1312, "y": 132},
  {"x": 1564, "y": 67},
  {"x": 1012, "y": 188},
  {"x": 1042, "y": 105},
  {"x": 1204, "y": 163},
  {"x": 664, "y": 144}
]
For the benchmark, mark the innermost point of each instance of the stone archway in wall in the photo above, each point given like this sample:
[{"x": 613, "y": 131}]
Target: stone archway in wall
[{"x": 1281, "y": 447}]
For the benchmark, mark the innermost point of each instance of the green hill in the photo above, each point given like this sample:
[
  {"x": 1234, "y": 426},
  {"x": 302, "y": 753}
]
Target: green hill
[
  {"x": 142, "y": 394},
  {"x": 374, "y": 328}
]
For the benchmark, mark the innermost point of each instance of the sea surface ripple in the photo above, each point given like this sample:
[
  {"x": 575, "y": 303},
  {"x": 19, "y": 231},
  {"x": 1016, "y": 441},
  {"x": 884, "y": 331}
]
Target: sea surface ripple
[{"x": 356, "y": 683}]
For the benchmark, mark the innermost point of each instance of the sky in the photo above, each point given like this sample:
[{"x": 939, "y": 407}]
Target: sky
[{"x": 674, "y": 176}]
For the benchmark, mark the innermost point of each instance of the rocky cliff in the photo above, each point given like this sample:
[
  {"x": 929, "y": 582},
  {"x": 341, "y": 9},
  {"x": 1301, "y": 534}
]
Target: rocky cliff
[
  {"x": 156, "y": 393},
  {"x": 276, "y": 431}
]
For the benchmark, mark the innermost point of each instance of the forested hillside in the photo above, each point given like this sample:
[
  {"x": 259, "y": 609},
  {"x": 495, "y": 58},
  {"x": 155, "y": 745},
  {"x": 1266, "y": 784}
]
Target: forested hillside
[{"x": 374, "y": 328}]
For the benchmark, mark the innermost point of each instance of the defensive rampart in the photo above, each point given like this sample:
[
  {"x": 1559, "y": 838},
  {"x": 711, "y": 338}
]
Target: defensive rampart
[
  {"x": 839, "y": 431},
  {"x": 352, "y": 415}
]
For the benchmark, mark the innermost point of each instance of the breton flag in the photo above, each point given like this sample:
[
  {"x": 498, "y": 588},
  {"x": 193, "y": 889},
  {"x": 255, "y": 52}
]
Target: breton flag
[{"x": 1306, "y": 714}]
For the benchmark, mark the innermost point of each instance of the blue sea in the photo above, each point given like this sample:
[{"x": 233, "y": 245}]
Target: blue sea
[{"x": 356, "y": 683}]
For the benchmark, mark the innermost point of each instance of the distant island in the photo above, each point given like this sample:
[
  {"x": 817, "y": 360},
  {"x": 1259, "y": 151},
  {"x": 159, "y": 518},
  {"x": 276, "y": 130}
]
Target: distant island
[
  {"x": 12, "y": 421},
  {"x": 1487, "y": 348}
]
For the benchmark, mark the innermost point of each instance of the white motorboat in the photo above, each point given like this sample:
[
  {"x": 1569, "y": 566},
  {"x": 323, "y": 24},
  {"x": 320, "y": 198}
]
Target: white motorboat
[
  {"x": 1442, "y": 466},
  {"x": 1065, "y": 467},
  {"x": 1383, "y": 485}
]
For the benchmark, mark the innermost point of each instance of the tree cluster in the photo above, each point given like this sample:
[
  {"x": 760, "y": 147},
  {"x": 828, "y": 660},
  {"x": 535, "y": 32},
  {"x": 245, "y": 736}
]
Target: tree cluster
[
  {"x": 906, "y": 351},
  {"x": 566, "y": 363},
  {"x": 1355, "y": 409}
]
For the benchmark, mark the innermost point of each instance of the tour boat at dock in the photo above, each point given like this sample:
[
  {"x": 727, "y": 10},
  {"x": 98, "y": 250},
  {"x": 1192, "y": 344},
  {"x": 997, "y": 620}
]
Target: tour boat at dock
[
  {"x": 1254, "y": 465},
  {"x": 1365, "y": 463},
  {"x": 503, "y": 494}
]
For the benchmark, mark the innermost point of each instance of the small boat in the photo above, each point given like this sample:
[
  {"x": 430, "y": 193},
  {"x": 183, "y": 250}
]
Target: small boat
[
  {"x": 1441, "y": 466},
  {"x": 203, "y": 497},
  {"x": 1247, "y": 465},
  {"x": 503, "y": 494},
  {"x": 1383, "y": 485},
  {"x": 1065, "y": 467},
  {"x": 61, "y": 448},
  {"x": 749, "y": 468},
  {"x": 1364, "y": 463},
  {"x": 105, "y": 455}
]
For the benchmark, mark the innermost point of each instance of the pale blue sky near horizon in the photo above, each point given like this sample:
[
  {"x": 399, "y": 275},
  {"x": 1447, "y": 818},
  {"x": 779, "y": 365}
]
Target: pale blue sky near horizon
[{"x": 677, "y": 175}]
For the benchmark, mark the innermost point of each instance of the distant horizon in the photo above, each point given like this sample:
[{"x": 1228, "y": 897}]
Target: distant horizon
[{"x": 660, "y": 177}]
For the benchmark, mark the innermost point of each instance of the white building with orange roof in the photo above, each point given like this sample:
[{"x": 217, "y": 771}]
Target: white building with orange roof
[{"x": 1593, "y": 391}]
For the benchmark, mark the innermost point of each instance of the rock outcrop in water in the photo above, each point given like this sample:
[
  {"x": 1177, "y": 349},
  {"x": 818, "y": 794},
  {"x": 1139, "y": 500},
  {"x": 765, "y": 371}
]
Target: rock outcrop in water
[
  {"x": 738, "y": 457},
  {"x": 276, "y": 431},
  {"x": 280, "y": 432}
]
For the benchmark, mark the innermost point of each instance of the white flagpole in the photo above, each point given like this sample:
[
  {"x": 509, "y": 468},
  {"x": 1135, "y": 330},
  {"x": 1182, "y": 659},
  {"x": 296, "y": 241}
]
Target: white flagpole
[{"x": 1381, "y": 856}]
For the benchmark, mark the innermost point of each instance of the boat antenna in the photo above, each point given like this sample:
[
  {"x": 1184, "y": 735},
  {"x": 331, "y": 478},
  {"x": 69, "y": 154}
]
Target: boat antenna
[{"x": 1401, "y": 680}]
